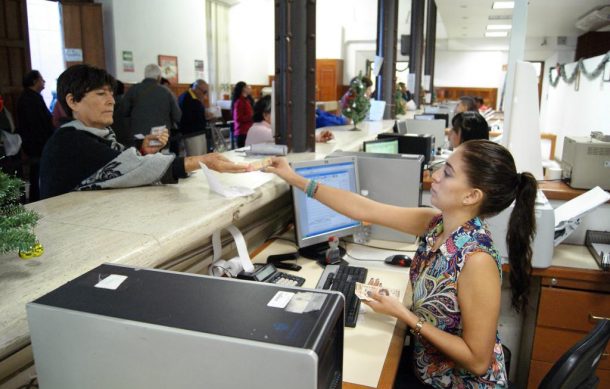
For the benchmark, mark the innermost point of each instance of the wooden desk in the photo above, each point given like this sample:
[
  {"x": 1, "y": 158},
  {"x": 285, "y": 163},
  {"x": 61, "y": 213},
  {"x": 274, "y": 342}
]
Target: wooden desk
[{"x": 372, "y": 349}]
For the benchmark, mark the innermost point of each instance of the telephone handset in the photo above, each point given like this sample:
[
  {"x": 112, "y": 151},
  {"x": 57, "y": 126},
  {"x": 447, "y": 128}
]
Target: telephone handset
[{"x": 268, "y": 273}]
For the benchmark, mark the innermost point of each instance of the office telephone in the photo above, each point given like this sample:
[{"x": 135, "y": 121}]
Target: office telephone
[{"x": 268, "y": 273}]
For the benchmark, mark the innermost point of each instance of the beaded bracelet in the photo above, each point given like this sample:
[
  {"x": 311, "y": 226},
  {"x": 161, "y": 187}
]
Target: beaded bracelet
[{"x": 311, "y": 188}]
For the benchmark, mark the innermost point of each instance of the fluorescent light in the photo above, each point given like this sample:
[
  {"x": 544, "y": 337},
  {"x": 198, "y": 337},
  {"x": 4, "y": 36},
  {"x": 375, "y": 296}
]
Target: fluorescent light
[
  {"x": 499, "y": 27},
  {"x": 496, "y": 34},
  {"x": 503, "y": 5}
]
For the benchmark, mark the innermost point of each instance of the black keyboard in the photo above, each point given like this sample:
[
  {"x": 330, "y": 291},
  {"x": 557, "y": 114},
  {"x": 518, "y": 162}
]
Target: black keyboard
[{"x": 343, "y": 279}]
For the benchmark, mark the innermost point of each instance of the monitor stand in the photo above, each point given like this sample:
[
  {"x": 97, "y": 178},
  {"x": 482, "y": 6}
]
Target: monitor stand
[{"x": 318, "y": 252}]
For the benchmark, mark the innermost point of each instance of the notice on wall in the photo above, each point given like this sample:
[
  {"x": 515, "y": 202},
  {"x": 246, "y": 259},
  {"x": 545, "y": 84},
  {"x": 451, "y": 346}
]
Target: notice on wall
[
  {"x": 73, "y": 55},
  {"x": 128, "y": 62},
  {"x": 199, "y": 69}
]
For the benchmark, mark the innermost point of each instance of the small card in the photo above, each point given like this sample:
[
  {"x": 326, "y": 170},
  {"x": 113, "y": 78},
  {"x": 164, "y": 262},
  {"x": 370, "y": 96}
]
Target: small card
[
  {"x": 113, "y": 281},
  {"x": 280, "y": 300},
  {"x": 158, "y": 130}
]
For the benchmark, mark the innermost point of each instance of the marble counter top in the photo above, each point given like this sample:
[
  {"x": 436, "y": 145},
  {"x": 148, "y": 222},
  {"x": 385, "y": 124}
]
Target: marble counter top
[{"x": 137, "y": 226}]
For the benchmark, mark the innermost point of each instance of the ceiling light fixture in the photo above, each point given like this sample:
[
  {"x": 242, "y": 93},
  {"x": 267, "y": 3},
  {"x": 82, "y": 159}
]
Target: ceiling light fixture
[
  {"x": 503, "y": 5},
  {"x": 496, "y": 34},
  {"x": 499, "y": 27}
]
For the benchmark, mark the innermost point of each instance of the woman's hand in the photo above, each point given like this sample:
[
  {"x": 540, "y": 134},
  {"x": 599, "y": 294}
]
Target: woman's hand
[
  {"x": 324, "y": 136},
  {"x": 161, "y": 138},
  {"x": 217, "y": 162},
  {"x": 281, "y": 168},
  {"x": 387, "y": 305}
]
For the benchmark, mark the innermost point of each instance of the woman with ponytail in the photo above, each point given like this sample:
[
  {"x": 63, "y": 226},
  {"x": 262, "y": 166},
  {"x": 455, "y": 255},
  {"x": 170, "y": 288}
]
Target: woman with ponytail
[{"x": 456, "y": 272}]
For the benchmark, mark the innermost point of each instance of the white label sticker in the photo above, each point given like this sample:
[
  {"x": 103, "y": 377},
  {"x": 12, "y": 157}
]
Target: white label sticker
[
  {"x": 113, "y": 281},
  {"x": 280, "y": 300}
]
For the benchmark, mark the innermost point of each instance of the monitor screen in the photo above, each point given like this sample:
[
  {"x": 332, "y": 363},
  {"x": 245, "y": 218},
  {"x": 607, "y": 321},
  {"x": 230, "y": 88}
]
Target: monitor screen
[
  {"x": 314, "y": 221},
  {"x": 386, "y": 146}
]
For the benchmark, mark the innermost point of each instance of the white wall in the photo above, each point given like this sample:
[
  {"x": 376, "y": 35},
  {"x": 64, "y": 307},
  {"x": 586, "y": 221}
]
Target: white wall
[
  {"x": 152, "y": 27},
  {"x": 252, "y": 44},
  {"x": 567, "y": 111}
]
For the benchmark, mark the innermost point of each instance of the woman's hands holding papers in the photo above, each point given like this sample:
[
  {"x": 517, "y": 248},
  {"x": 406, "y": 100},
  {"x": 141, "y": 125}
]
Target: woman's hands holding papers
[
  {"x": 215, "y": 161},
  {"x": 158, "y": 142},
  {"x": 388, "y": 305}
]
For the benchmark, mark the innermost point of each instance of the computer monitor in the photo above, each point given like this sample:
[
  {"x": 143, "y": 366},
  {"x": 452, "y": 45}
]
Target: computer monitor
[
  {"x": 402, "y": 127},
  {"x": 383, "y": 146},
  {"x": 435, "y": 127},
  {"x": 314, "y": 221},
  {"x": 435, "y": 116}
]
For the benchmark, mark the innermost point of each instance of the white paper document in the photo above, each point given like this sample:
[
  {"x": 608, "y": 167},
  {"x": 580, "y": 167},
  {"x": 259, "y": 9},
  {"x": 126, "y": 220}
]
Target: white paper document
[
  {"x": 567, "y": 216},
  {"x": 235, "y": 185}
]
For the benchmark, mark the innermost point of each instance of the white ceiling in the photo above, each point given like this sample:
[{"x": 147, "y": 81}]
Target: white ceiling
[{"x": 546, "y": 18}]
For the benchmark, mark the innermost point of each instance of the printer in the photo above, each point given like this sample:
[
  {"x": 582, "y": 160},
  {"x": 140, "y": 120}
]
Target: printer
[
  {"x": 585, "y": 161},
  {"x": 543, "y": 243},
  {"x": 122, "y": 327}
]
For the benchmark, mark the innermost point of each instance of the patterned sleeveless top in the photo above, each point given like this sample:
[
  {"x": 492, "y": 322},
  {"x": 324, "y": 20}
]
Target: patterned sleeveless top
[{"x": 434, "y": 276}]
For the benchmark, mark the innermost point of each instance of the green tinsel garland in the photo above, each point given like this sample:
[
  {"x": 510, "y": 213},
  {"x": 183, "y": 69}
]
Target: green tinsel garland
[
  {"x": 579, "y": 68},
  {"x": 16, "y": 223}
]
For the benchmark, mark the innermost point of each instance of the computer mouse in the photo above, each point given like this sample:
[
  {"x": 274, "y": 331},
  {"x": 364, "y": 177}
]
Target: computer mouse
[{"x": 398, "y": 260}]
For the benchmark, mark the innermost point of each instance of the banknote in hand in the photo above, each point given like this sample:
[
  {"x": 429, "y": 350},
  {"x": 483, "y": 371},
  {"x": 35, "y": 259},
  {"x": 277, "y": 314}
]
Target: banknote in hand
[{"x": 364, "y": 290}]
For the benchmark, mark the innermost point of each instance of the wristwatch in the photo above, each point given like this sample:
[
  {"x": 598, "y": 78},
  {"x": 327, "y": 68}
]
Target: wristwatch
[{"x": 418, "y": 326}]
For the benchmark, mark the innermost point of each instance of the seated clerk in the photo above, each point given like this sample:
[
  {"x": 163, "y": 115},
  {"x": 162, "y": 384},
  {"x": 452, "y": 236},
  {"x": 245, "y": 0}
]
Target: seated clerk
[
  {"x": 480, "y": 104},
  {"x": 467, "y": 126},
  {"x": 261, "y": 131},
  {"x": 466, "y": 103},
  {"x": 84, "y": 154},
  {"x": 456, "y": 272}
]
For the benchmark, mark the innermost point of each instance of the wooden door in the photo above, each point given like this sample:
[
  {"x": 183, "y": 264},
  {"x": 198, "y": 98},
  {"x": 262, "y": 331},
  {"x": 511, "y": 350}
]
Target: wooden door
[
  {"x": 329, "y": 77},
  {"x": 14, "y": 50},
  {"x": 83, "y": 29}
]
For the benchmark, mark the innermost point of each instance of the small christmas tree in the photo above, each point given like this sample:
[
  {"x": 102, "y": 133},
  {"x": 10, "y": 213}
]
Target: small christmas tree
[
  {"x": 399, "y": 102},
  {"x": 355, "y": 104},
  {"x": 16, "y": 223}
]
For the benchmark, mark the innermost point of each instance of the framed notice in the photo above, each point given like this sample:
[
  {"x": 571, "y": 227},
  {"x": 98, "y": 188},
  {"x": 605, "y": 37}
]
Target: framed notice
[{"x": 169, "y": 67}]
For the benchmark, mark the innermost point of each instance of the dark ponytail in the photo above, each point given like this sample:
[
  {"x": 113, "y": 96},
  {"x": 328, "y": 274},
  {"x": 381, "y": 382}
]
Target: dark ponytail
[
  {"x": 491, "y": 168},
  {"x": 521, "y": 231}
]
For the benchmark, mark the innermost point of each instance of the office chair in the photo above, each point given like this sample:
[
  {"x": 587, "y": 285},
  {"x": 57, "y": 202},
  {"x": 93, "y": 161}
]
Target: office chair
[{"x": 576, "y": 368}]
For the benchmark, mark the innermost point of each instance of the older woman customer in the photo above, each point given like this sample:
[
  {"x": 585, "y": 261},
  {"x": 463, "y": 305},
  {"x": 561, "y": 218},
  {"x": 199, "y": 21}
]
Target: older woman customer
[{"x": 83, "y": 154}]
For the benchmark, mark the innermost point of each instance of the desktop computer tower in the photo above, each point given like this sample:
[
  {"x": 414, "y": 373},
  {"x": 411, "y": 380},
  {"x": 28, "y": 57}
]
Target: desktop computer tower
[
  {"x": 421, "y": 144},
  {"x": 122, "y": 327}
]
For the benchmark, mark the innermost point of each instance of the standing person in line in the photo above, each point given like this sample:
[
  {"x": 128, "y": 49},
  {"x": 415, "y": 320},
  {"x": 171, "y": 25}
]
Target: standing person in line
[
  {"x": 148, "y": 104},
  {"x": 242, "y": 109},
  {"x": 456, "y": 334},
  {"x": 35, "y": 125},
  {"x": 194, "y": 115}
]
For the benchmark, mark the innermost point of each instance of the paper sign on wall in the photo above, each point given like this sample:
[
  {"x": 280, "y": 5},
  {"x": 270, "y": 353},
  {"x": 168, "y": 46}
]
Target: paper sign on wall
[{"x": 73, "y": 55}]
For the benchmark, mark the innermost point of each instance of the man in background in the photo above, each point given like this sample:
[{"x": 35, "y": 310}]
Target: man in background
[
  {"x": 194, "y": 116},
  {"x": 147, "y": 105},
  {"x": 34, "y": 124}
]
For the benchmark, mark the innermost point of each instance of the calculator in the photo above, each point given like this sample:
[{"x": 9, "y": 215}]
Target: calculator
[{"x": 268, "y": 273}]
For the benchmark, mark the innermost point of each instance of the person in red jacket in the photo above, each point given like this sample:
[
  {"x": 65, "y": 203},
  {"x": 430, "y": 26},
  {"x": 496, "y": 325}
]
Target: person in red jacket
[{"x": 241, "y": 107}]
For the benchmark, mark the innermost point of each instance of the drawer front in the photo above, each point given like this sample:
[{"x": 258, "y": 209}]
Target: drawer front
[
  {"x": 551, "y": 343},
  {"x": 570, "y": 309},
  {"x": 539, "y": 369}
]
